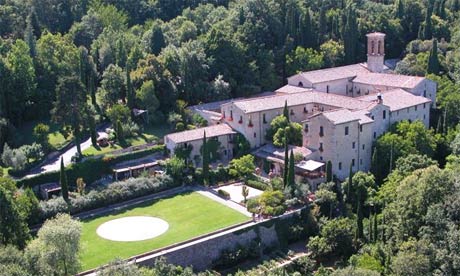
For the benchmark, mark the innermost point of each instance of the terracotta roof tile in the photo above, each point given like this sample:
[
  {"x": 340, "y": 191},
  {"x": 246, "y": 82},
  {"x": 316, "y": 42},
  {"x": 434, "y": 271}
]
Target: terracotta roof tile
[{"x": 196, "y": 134}]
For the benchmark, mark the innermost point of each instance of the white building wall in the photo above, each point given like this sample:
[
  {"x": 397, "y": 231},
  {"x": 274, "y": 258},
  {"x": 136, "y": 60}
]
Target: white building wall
[
  {"x": 299, "y": 80},
  {"x": 419, "y": 112},
  {"x": 334, "y": 87},
  {"x": 427, "y": 88},
  {"x": 381, "y": 116}
]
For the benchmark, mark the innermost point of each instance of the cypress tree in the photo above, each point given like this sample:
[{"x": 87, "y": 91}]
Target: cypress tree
[
  {"x": 63, "y": 181},
  {"x": 322, "y": 28},
  {"x": 286, "y": 111},
  {"x": 442, "y": 9},
  {"x": 77, "y": 135},
  {"x": 121, "y": 55},
  {"x": 433, "y": 61},
  {"x": 329, "y": 171},
  {"x": 291, "y": 174},
  {"x": 350, "y": 183},
  {"x": 205, "y": 160},
  {"x": 305, "y": 30},
  {"x": 456, "y": 6},
  {"x": 428, "y": 28},
  {"x": 92, "y": 129},
  {"x": 350, "y": 35},
  {"x": 286, "y": 160},
  {"x": 119, "y": 132},
  {"x": 370, "y": 227},
  {"x": 157, "y": 40},
  {"x": 375, "y": 231},
  {"x": 30, "y": 38},
  {"x": 129, "y": 90},
  {"x": 400, "y": 9},
  {"x": 359, "y": 217}
]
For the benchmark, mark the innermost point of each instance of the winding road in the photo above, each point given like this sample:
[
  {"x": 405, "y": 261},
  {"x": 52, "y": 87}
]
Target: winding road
[{"x": 54, "y": 164}]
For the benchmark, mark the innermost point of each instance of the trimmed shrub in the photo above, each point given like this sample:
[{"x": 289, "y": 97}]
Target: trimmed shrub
[
  {"x": 114, "y": 193},
  {"x": 223, "y": 194},
  {"x": 259, "y": 185}
]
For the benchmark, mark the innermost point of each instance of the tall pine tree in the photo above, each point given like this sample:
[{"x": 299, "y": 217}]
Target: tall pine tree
[
  {"x": 286, "y": 111},
  {"x": 329, "y": 171},
  {"x": 63, "y": 181},
  {"x": 129, "y": 90},
  {"x": 428, "y": 26}
]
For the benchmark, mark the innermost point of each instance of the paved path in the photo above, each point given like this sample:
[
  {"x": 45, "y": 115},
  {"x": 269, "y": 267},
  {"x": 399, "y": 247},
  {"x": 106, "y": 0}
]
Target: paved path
[
  {"x": 55, "y": 163},
  {"x": 231, "y": 204}
]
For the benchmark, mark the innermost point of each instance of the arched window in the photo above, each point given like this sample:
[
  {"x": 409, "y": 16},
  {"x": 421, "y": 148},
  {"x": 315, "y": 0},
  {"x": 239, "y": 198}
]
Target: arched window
[
  {"x": 300, "y": 84},
  {"x": 379, "y": 47},
  {"x": 372, "y": 47}
]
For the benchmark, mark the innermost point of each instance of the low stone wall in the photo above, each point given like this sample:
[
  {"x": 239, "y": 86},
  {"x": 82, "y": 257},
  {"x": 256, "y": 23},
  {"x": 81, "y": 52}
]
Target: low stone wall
[{"x": 203, "y": 253}]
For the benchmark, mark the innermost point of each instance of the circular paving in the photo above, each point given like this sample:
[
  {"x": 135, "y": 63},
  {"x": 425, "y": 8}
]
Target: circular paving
[{"x": 128, "y": 229}]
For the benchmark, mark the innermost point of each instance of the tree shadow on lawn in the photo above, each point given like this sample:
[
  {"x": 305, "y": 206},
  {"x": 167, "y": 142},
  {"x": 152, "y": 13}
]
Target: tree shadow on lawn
[{"x": 123, "y": 210}]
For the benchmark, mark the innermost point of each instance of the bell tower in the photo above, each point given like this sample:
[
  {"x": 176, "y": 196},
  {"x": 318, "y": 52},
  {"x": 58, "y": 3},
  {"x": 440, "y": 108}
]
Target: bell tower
[{"x": 375, "y": 52}]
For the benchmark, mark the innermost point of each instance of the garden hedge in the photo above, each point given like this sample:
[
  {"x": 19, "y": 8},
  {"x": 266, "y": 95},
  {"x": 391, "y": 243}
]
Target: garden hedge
[{"x": 90, "y": 169}]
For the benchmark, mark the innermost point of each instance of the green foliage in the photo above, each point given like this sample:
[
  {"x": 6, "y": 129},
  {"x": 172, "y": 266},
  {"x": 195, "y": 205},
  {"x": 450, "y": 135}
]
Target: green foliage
[
  {"x": 291, "y": 174},
  {"x": 146, "y": 97},
  {"x": 303, "y": 59},
  {"x": 281, "y": 125},
  {"x": 433, "y": 60},
  {"x": 63, "y": 181},
  {"x": 242, "y": 167},
  {"x": 272, "y": 203},
  {"x": 206, "y": 160},
  {"x": 329, "y": 171},
  {"x": 13, "y": 227},
  {"x": 175, "y": 168}
]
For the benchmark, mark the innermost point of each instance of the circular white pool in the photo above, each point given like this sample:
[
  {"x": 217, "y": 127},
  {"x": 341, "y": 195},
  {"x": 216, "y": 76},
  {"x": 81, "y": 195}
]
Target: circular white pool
[{"x": 128, "y": 229}]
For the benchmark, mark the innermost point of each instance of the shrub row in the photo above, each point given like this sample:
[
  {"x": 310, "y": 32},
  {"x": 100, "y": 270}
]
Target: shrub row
[
  {"x": 257, "y": 184},
  {"x": 223, "y": 194},
  {"x": 114, "y": 193},
  {"x": 90, "y": 169},
  {"x": 221, "y": 174}
]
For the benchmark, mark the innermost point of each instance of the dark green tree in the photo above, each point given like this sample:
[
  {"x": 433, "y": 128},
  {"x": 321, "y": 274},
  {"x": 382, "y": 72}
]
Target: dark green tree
[
  {"x": 433, "y": 60},
  {"x": 157, "y": 40},
  {"x": 350, "y": 182},
  {"x": 286, "y": 160},
  {"x": 119, "y": 132},
  {"x": 329, "y": 171},
  {"x": 350, "y": 35},
  {"x": 130, "y": 99},
  {"x": 13, "y": 228},
  {"x": 286, "y": 111},
  {"x": 92, "y": 130},
  {"x": 205, "y": 153},
  {"x": 63, "y": 181},
  {"x": 428, "y": 25},
  {"x": 400, "y": 9},
  {"x": 291, "y": 174}
]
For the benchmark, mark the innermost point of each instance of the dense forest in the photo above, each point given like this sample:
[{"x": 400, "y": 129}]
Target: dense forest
[{"x": 79, "y": 63}]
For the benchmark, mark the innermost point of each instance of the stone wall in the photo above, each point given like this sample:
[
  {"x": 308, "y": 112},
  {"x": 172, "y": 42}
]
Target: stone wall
[{"x": 203, "y": 253}]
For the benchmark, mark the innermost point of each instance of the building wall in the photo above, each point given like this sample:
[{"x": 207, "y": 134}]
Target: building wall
[
  {"x": 226, "y": 150},
  {"x": 381, "y": 116},
  {"x": 420, "y": 112},
  {"x": 427, "y": 88},
  {"x": 335, "y": 87}
]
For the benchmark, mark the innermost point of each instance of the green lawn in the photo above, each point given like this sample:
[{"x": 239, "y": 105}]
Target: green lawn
[
  {"x": 188, "y": 215},
  {"x": 149, "y": 134},
  {"x": 24, "y": 134}
]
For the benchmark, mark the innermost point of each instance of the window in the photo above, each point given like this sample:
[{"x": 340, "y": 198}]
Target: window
[
  {"x": 327, "y": 88},
  {"x": 346, "y": 130},
  {"x": 321, "y": 158},
  {"x": 340, "y": 166},
  {"x": 415, "y": 108},
  {"x": 375, "y": 135},
  {"x": 292, "y": 112},
  {"x": 306, "y": 128},
  {"x": 352, "y": 162},
  {"x": 372, "y": 47},
  {"x": 255, "y": 135},
  {"x": 264, "y": 119},
  {"x": 300, "y": 84},
  {"x": 384, "y": 114},
  {"x": 360, "y": 161},
  {"x": 241, "y": 120},
  {"x": 364, "y": 146},
  {"x": 379, "y": 48},
  {"x": 305, "y": 110},
  {"x": 373, "y": 118},
  {"x": 424, "y": 105},
  {"x": 231, "y": 114},
  {"x": 321, "y": 131},
  {"x": 225, "y": 152},
  {"x": 321, "y": 147},
  {"x": 361, "y": 128},
  {"x": 353, "y": 145},
  {"x": 424, "y": 93}
]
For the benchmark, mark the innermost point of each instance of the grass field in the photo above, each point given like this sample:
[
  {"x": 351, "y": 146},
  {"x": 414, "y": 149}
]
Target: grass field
[
  {"x": 149, "y": 134},
  {"x": 24, "y": 134},
  {"x": 189, "y": 215}
]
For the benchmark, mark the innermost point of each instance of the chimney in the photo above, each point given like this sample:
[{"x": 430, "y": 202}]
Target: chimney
[
  {"x": 379, "y": 98},
  {"x": 375, "y": 52}
]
